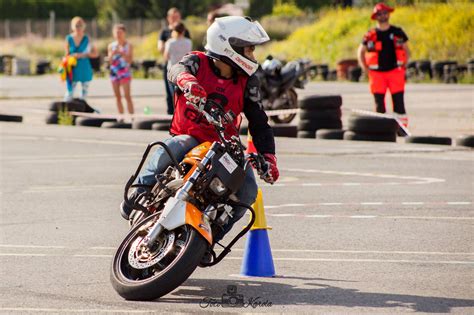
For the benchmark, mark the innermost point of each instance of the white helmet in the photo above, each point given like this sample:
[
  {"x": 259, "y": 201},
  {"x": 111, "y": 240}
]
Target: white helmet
[{"x": 227, "y": 37}]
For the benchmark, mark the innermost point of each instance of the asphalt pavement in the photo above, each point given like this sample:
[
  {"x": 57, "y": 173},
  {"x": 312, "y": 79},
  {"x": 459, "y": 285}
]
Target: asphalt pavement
[{"x": 357, "y": 227}]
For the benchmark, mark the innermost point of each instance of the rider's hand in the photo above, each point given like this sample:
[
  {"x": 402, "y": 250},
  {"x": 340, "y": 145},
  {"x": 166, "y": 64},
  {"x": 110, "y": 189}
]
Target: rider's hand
[
  {"x": 272, "y": 173},
  {"x": 192, "y": 90}
]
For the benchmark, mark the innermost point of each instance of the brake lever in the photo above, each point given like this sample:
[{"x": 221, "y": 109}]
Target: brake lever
[{"x": 206, "y": 115}]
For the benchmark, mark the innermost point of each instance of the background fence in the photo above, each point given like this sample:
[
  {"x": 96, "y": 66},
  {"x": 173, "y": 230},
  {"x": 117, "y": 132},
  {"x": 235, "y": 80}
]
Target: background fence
[{"x": 60, "y": 28}]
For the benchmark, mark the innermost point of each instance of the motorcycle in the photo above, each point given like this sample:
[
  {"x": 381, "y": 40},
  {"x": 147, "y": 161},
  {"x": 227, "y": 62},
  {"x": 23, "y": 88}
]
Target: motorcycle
[
  {"x": 278, "y": 85},
  {"x": 174, "y": 223}
]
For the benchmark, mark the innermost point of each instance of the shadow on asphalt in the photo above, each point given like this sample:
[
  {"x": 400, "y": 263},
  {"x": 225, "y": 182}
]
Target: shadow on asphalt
[{"x": 313, "y": 293}]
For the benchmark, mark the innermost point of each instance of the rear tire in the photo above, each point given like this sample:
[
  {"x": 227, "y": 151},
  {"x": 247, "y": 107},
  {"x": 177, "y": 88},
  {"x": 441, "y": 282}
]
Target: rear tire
[{"x": 149, "y": 282}]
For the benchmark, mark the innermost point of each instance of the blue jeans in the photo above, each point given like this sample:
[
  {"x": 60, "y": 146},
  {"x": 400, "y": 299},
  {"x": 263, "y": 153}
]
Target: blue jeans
[
  {"x": 169, "y": 91},
  {"x": 182, "y": 144}
]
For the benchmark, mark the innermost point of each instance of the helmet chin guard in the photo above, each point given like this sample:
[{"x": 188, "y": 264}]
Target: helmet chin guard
[{"x": 227, "y": 37}]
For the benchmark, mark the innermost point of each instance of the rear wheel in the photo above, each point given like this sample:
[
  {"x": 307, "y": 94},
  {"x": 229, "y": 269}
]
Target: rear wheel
[
  {"x": 290, "y": 102},
  {"x": 139, "y": 273}
]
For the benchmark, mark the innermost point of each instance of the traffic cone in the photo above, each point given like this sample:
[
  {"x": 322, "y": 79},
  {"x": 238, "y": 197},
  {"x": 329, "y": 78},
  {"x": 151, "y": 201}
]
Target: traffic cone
[
  {"x": 250, "y": 147},
  {"x": 258, "y": 260}
]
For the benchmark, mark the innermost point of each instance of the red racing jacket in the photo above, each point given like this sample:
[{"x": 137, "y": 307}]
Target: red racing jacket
[{"x": 238, "y": 94}]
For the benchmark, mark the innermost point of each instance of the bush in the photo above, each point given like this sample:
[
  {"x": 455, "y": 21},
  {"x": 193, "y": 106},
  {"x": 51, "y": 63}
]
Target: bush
[{"x": 436, "y": 32}]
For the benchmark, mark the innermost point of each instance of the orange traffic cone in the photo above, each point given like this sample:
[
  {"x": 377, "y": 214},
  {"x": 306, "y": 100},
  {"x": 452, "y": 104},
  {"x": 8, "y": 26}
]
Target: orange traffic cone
[{"x": 250, "y": 147}]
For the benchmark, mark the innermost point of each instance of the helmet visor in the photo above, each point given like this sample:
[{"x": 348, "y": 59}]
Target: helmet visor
[{"x": 251, "y": 36}]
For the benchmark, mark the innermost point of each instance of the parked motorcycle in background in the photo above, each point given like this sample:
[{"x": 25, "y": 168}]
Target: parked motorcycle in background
[{"x": 278, "y": 84}]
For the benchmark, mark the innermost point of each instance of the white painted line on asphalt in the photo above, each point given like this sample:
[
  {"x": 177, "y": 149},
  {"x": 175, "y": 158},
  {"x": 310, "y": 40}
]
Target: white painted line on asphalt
[
  {"x": 65, "y": 188},
  {"x": 366, "y": 203},
  {"x": 407, "y": 179},
  {"x": 91, "y": 255},
  {"x": 71, "y": 310},
  {"x": 101, "y": 248},
  {"x": 24, "y": 254},
  {"x": 351, "y": 184},
  {"x": 311, "y": 184},
  {"x": 281, "y": 259},
  {"x": 30, "y": 246},
  {"x": 299, "y": 215},
  {"x": 427, "y": 218},
  {"x": 443, "y": 262},
  {"x": 328, "y": 251}
]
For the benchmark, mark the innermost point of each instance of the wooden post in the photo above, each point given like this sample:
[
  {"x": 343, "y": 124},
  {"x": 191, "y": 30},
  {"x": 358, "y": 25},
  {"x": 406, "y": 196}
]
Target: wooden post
[
  {"x": 28, "y": 27},
  {"x": 94, "y": 28},
  {"x": 7, "y": 28},
  {"x": 52, "y": 18}
]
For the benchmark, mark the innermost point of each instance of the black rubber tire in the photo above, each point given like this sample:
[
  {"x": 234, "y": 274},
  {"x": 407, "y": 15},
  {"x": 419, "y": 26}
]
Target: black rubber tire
[
  {"x": 320, "y": 102},
  {"x": 177, "y": 273},
  {"x": 313, "y": 125},
  {"x": 147, "y": 123},
  {"x": 465, "y": 141},
  {"x": 116, "y": 125},
  {"x": 438, "y": 67},
  {"x": 11, "y": 118},
  {"x": 75, "y": 105},
  {"x": 372, "y": 125},
  {"x": 306, "y": 134},
  {"x": 92, "y": 122},
  {"x": 288, "y": 131},
  {"x": 350, "y": 135},
  {"x": 52, "y": 118},
  {"x": 429, "y": 140},
  {"x": 331, "y": 114},
  {"x": 161, "y": 126},
  {"x": 330, "y": 134},
  {"x": 292, "y": 104}
]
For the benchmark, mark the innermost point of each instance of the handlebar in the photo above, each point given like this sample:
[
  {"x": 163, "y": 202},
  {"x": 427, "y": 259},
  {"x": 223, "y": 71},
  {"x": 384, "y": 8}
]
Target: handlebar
[{"x": 258, "y": 162}]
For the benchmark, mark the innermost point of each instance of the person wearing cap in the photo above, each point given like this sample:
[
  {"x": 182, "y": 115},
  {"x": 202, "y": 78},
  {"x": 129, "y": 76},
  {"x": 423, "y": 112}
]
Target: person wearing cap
[
  {"x": 225, "y": 74},
  {"x": 383, "y": 55}
]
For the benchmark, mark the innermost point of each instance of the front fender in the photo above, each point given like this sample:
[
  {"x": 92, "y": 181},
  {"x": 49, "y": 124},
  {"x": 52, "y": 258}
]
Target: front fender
[{"x": 178, "y": 212}]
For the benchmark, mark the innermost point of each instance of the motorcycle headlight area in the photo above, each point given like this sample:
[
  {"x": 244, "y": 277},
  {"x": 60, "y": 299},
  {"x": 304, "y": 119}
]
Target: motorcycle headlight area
[{"x": 217, "y": 186}]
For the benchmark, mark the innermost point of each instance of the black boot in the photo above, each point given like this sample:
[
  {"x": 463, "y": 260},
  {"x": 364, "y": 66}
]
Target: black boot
[{"x": 127, "y": 207}]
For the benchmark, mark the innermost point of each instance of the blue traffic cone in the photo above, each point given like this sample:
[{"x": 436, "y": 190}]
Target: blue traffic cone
[{"x": 258, "y": 260}]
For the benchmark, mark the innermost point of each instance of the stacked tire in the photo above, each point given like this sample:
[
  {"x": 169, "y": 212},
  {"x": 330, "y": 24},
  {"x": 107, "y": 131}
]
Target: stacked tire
[
  {"x": 319, "y": 112},
  {"x": 371, "y": 128},
  {"x": 75, "y": 105}
]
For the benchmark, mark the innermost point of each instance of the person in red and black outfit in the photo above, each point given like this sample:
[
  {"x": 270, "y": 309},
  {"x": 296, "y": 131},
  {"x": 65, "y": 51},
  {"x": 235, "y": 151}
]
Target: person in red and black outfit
[{"x": 383, "y": 54}]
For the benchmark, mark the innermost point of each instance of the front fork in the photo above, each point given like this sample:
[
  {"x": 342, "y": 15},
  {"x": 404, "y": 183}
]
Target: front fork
[{"x": 181, "y": 194}]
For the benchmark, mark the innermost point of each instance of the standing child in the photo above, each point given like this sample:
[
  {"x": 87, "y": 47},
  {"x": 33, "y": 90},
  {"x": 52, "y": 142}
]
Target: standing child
[
  {"x": 120, "y": 53},
  {"x": 79, "y": 46}
]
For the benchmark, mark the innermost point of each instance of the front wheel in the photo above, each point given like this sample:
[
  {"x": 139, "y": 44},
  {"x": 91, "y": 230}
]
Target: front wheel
[
  {"x": 289, "y": 101},
  {"x": 139, "y": 274}
]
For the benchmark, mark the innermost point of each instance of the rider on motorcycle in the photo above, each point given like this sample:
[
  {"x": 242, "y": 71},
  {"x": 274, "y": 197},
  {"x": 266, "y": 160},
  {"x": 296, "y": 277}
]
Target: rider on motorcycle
[{"x": 225, "y": 74}]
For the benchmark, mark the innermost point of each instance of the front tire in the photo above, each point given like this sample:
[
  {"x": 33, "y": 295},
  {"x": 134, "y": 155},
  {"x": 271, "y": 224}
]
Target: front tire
[{"x": 173, "y": 258}]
